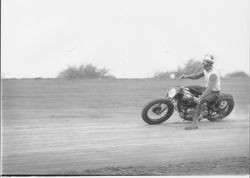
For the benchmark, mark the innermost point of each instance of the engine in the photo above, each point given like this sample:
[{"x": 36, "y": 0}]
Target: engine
[
  {"x": 190, "y": 112},
  {"x": 186, "y": 112},
  {"x": 187, "y": 106}
]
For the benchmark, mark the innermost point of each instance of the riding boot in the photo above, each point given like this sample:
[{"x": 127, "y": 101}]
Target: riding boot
[
  {"x": 204, "y": 110},
  {"x": 194, "y": 124}
]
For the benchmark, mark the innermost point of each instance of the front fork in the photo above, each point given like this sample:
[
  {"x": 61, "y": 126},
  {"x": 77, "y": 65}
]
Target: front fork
[{"x": 158, "y": 109}]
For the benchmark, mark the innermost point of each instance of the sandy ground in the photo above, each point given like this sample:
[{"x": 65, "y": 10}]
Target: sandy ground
[
  {"x": 220, "y": 167},
  {"x": 91, "y": 141},
  {"x": 131, "y": 148}
]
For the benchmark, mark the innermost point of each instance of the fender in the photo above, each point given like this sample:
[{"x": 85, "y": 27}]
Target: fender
[{"x": 225, "y": 96}]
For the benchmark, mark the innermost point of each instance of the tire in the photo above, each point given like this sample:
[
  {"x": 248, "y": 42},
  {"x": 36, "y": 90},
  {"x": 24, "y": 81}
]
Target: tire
[
  {"x": 223, "y": 111},
  {"x": 156, "y": 105}
]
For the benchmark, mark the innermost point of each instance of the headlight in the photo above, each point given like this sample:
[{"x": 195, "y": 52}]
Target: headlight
[{"x": 172, "y": 93}]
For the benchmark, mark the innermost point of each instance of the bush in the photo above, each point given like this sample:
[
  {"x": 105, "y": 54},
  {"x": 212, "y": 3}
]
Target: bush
[
  {"x": 84, "y": 72},
  {"x": 190, "y": 67},
  {"x": 237, "y": 74}
]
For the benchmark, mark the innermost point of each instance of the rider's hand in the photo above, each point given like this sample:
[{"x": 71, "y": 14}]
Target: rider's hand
[
  {"x": 197, "y": 100},
  {"x": 183, "y": 76}
]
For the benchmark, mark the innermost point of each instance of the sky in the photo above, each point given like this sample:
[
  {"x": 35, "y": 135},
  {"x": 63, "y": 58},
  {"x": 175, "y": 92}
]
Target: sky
[{"x": 132, "y": 38}]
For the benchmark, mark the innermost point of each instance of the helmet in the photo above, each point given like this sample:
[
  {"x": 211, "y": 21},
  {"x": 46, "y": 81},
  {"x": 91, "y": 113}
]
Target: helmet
[{"x": 208, "y": 58}]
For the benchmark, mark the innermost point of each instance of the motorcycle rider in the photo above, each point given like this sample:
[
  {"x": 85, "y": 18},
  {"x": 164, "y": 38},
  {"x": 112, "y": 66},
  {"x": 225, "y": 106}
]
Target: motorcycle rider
[{"x": 212, "y": 84}]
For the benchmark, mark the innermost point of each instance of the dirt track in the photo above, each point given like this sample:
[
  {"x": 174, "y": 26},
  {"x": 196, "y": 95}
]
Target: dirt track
[{"x": 56, "y": 141}]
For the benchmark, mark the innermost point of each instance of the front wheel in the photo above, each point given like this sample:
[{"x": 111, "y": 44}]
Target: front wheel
[{"x": 157, "y": 111}]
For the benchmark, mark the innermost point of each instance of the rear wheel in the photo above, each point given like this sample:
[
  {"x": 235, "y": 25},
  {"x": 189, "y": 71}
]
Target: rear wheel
[
  {"x": 225, "y": 107},
  {"x": 157, "y": 111}
]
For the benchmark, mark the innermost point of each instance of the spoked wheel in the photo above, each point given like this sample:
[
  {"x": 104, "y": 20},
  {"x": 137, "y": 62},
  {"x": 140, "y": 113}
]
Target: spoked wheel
[
  {"x": 157, "y": 111},
  {"x": 224, "y": 109}
]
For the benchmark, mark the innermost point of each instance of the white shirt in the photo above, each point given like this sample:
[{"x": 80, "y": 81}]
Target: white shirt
[{"x": 207, "y": 74}]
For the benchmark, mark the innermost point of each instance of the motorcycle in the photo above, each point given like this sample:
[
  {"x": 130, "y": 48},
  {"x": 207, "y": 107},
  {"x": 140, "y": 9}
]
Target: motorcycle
[{"x": 181, "y": 99}]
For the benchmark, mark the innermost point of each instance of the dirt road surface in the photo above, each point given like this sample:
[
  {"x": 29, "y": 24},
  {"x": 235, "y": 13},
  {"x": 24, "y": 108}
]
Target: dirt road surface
[{"x": 46, "y": 131}]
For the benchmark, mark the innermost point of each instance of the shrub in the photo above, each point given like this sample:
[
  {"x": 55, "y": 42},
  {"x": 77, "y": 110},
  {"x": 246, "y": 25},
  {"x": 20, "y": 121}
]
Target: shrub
[
  {"x": 84, "y": 72},
  {"x": 237, "y": 74},
  {"x": 190, "y": 67}
]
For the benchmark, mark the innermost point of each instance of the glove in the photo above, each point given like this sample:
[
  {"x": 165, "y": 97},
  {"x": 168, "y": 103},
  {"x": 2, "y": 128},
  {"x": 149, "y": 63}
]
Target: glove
[{"x": 183, "y": 76}]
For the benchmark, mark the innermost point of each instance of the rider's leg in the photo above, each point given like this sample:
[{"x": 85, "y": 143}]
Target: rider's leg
[
  {"x": 209, "y": 98},
  {"x": 198, "y": 113},
  {"x": 194, "y": 124}
]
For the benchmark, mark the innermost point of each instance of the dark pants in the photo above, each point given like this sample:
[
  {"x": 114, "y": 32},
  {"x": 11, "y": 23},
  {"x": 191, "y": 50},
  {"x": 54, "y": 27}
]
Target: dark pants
[{"x": 213, "y": 96}]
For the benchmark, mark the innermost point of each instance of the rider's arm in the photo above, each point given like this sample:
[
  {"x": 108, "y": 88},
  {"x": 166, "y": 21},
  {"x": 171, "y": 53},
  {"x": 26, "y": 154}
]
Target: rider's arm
[
  {"x": 195, "y": 76},
  {"x": 211, "y": 84}
]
